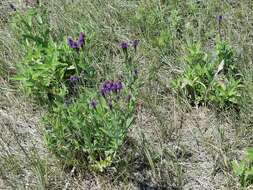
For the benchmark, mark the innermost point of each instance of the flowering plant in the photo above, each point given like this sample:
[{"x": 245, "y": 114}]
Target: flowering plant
[
  {"x": 56, "y": 70},
  {"x": 93, "y": 127},
  {"x": 86, "y": 123},
  {"x": 77, "y": 45}
]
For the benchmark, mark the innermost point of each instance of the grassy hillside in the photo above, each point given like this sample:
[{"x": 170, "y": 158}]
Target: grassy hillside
[{"x": 114, "y": 94}]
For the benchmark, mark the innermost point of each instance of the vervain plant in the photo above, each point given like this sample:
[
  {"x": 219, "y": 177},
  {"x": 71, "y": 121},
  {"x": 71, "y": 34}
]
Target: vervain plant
[
  {"x": 45, "y": 71},
  {"x": 49, "y": 68},
  {"x": 92, "y": 128},
  {"x": 85, "y": 125}
]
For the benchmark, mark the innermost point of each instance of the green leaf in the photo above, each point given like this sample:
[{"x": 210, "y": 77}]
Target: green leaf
[
  {"x": 72, "y": 67},
  {"x": 129, "y": 122},
  {"x": 238, "y": 169},
  {"x": 250, "y": 154}
]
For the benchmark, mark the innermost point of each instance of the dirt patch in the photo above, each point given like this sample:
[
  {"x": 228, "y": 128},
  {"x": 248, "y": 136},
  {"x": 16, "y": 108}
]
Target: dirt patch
[{"x": 204, "y": 137}]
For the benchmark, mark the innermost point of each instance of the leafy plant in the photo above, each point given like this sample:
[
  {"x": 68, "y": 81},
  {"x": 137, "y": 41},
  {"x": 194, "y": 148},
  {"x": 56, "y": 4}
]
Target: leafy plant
[
  {"x": 244, "y": 169},
  {"x": 84, "y": 125},
  {"x": 45, "y": 71},
  {"x": 208, "y": 80},
  {"x": 48, "y": 67},
  {"x": 92, "y": 127},
  {"x": 225, "y": 53},
  {"x": 194, "y": 82},
  {"x": 32, "y": 27},
  {"x": 226, "y": 92}
]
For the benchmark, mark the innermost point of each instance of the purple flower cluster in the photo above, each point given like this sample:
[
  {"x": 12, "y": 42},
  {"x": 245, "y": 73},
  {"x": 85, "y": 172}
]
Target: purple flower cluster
[
  {"x": 93, "y": 104},
  {"x": 133, "y": 43},
  {"x": 78, "y": 44},
  {"x": 220, "y": 17},
  {"x": 111, "y": 86},
  {"x": 124, "y": 45},
  {"x": 128, "y": 98},
  {"x": 74, "y": 78}
]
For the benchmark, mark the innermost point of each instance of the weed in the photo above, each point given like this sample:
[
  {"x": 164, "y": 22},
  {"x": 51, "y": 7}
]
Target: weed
[
  {"x": 207, "y": 81},
  {"x": 244, "y": 169}
]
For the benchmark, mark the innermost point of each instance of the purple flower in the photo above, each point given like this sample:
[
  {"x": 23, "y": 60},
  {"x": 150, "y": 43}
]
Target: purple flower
[
  {"x": 124, "y": 45},
  {"x": 135, "y": 72},
  {"x": 128, "y": 98},
  {"x": 73, "y": 78},
  {"x": 111, "y": 86},
  {"x": 105, "y": 89},
  {"x": 93, "y": 104},
  {"x": 72, "y": 44},
  {"x": 70, "y": 41},
  {"x": 77, "y": 44},
  {"x": 135, "y": 43},
  {"x": 119, "y": 86},
  {"x": 81, "y": 40},
  {"x": 110, "y": 105},
  {"x": 114, "y": 87}
]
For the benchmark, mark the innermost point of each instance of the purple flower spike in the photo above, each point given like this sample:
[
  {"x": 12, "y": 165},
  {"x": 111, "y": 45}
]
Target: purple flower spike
[
  {"x": 110, "y": 105},
  {"x": 72, "y": 44},
  {"x": 119, "y": 86},
  {"x": 114, "y": 87},
  {"x": 73, "y": 78},
  {"x": 77, "y": 44},
  {"x": 135, "y": 43},
  {"x": 111, "y": 86},
  {"x": 128, "y": 98},
  {"x": 70, "y": 41},
  {"x": 81, "y": 40},
  {"x": 124, "y": 45},
  {"x": 93, "y": 104}
]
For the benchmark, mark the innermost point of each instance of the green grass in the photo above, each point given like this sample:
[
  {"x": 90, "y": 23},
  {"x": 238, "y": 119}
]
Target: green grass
[{"x": 172, "y": 145}]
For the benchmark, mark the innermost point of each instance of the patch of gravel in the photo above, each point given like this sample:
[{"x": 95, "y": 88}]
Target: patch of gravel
[
  {"x": 200, "y": 136},
  {"x": 19, "y": 137}
]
